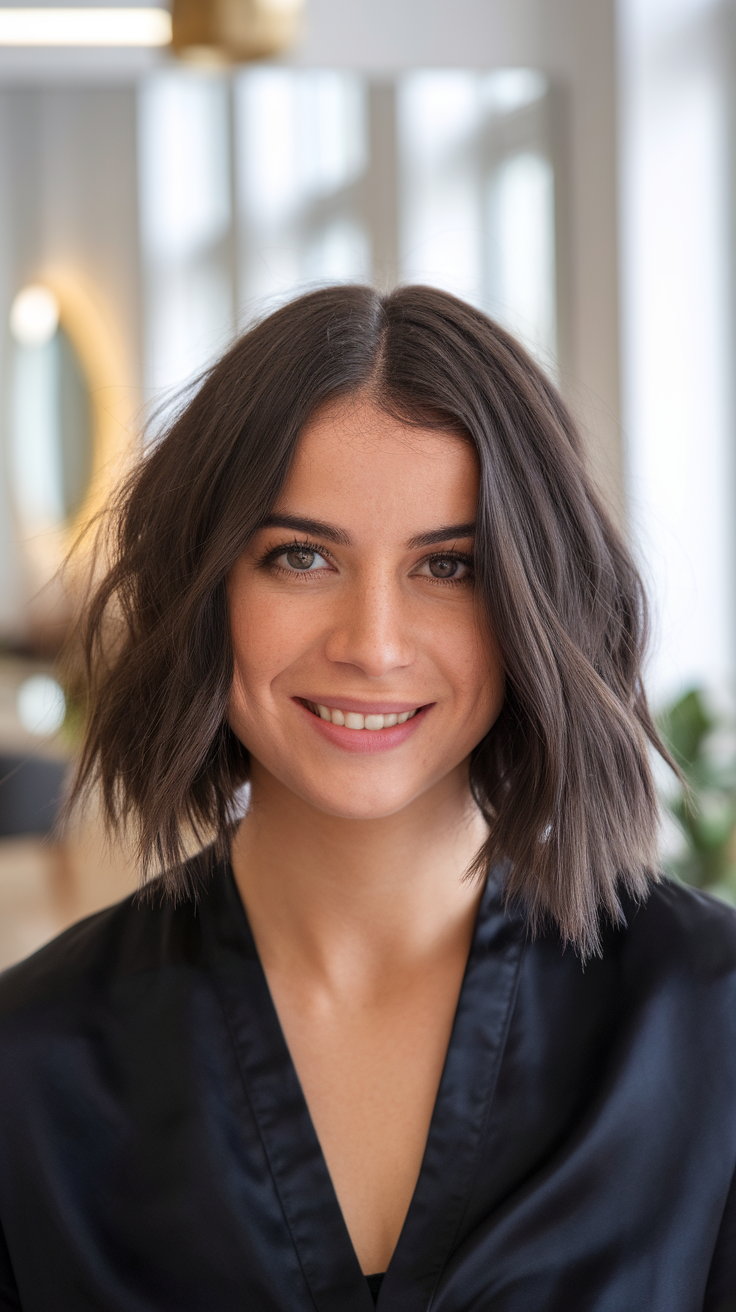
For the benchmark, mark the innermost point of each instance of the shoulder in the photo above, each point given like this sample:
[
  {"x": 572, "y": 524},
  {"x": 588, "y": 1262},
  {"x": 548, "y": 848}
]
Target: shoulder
[
  {"x": 672, "y": 957},
  {"x": 682, "y": 928},
  {"x": 138, "y": 936},
  {"x": 674, "y": 962}
]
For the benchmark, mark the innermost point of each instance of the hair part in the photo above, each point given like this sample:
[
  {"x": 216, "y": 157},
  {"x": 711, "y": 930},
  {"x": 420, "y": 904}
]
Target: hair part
[{"x": 563, "y": 776}]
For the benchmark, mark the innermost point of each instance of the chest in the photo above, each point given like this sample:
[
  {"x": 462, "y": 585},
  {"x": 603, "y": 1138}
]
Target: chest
[{"x": 370, "y": 1076}]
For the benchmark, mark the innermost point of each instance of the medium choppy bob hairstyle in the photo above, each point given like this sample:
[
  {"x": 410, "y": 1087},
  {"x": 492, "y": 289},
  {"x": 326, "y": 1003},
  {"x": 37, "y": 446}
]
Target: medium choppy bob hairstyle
[{"x": 562, "y": 777}]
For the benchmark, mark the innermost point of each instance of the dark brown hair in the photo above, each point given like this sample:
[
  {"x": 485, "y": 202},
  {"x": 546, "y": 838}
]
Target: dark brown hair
[{"x": 563, "y": 776}]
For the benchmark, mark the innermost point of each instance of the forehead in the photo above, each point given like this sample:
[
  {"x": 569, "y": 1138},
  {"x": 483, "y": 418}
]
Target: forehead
[{"x": 356, "y": 463}]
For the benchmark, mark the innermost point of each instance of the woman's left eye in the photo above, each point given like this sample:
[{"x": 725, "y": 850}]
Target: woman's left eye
[
  {"x": 301, "y": 560},
  {"x": 446, "y": 567}
]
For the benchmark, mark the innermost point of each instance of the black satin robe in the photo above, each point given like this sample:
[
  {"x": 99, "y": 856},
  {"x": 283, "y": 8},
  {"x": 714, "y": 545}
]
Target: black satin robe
[{"x": 157, "y": 1155}]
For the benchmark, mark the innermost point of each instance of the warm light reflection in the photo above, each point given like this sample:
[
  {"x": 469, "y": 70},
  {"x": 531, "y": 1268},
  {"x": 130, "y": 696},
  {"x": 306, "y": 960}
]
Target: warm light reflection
[
  {"x": 34, "y": 316},
  {"x": 41, "y": 705},
  {"x": 84, "y": 27}
]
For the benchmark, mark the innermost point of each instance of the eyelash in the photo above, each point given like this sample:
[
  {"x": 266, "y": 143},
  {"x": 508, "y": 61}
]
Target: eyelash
[{"x": 269, "y": 558}]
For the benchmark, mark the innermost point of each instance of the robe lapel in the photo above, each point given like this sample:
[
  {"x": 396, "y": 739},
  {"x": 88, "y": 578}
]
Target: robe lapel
[
  {"x": 461, "y": 1112},
  {"x": 301, "y": 1179}
]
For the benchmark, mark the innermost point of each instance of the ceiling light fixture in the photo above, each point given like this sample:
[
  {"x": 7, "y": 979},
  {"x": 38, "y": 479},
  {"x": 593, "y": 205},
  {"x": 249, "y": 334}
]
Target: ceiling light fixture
[
  {"x": 34, "y": 26},
  {"x": 234, "y": 29}
]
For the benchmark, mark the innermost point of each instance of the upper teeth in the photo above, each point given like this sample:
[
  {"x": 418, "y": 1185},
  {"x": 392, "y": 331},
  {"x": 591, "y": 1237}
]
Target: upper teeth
[{"x": 352, "y": 720}]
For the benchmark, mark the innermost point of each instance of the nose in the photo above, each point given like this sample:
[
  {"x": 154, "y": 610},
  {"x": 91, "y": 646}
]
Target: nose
[{"x": 371, "y": 628}]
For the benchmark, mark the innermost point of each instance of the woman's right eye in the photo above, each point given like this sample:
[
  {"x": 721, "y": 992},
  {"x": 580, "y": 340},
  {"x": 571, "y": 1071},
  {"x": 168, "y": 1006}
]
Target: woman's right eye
[{"x": 301, "y": 559}]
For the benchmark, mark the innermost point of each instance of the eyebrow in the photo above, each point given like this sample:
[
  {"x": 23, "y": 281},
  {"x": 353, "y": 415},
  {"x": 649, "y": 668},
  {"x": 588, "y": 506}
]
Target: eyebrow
[
  {"x": 317, "y": 528},
  {"x": 443, "y": 534}
]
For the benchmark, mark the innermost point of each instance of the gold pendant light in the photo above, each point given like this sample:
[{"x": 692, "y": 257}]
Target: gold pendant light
[{"x": 234, "y": 30}]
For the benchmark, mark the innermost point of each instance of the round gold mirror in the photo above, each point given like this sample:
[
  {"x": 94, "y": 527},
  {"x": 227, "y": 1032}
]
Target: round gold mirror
[{"x": 69, "y": 431}]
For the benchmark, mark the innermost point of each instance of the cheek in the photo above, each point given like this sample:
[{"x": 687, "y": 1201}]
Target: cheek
[
  {"x": 479, "y": 677},
  {"x": 262, "y": 635},
  {"x": 255, "y": 652},
  {"x": 268, "y": 638}
]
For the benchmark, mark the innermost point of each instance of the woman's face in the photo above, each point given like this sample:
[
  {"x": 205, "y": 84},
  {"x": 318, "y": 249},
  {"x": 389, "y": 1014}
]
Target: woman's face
[{"x": 363, "y": 672}]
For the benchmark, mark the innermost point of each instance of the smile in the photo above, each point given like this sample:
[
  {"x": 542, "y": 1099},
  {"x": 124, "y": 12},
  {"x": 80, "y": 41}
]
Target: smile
[{"x": 353, "y": 720}]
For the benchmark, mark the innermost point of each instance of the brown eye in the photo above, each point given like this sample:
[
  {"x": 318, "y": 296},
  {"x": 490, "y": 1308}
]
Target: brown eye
[
  {"x": 300, "y": 558},
  {"x": 444, "y": 567}
]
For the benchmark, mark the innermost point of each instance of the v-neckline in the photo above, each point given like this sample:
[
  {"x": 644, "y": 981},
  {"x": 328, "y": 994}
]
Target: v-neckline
[{"x": 302, "y": 1180}]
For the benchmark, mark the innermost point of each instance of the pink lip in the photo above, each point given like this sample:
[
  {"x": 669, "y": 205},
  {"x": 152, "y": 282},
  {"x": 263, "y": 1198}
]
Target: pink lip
[
  {"x": 361, "y": 708},
  {"x": 364, "y": 740}
]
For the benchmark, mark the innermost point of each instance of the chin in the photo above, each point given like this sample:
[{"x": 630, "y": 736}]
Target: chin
[{"x": 373, "y": 806}]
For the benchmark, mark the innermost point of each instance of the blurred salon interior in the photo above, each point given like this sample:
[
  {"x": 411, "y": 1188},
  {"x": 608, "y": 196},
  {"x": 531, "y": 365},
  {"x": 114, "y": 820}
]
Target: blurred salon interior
[{"x": 567, "y": 165}]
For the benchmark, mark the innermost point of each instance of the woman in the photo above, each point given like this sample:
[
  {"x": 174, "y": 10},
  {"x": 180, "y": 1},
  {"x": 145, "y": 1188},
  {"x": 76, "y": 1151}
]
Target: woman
[{"x": 426, "y": 1009}]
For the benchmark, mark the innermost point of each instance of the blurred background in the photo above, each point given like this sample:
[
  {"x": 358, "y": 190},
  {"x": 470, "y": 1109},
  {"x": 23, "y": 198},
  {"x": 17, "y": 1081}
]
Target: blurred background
[{"x": 567, "y": 165}]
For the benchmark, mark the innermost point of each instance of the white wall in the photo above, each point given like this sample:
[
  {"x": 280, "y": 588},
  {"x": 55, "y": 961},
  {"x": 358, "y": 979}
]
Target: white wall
[{"x": 677, "y": 265}]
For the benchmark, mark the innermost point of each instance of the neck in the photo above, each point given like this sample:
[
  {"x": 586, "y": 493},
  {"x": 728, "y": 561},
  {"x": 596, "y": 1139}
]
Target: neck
[{"x": 332, "y": 896}]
